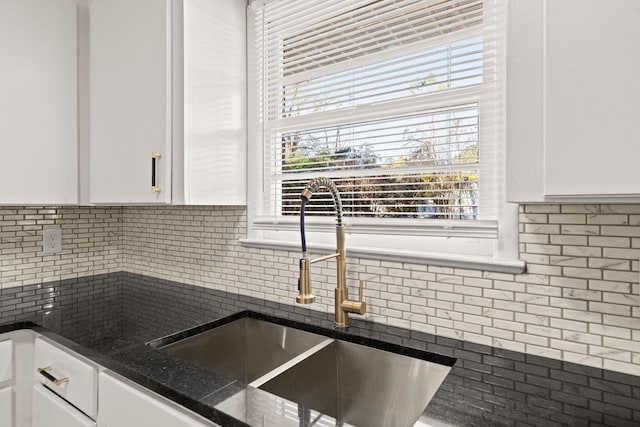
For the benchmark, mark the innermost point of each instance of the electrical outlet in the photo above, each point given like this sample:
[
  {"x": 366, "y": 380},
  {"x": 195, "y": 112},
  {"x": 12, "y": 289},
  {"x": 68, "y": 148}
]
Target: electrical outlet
[{"x": 52, "y": 241}]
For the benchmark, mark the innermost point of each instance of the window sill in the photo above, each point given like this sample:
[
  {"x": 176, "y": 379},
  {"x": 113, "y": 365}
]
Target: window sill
[{"x": 484, "y": 263}]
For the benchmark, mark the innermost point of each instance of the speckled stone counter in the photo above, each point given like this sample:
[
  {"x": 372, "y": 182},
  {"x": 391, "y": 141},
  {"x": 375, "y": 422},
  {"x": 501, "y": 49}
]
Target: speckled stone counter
[{"x": 110, "y": 318}]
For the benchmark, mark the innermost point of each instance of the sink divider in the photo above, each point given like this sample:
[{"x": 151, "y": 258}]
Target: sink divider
[{"x": 285, "y": 366}]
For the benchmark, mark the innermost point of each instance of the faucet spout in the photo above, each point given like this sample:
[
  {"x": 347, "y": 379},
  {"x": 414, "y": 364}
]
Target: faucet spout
[{"x": 343, "y": 306}]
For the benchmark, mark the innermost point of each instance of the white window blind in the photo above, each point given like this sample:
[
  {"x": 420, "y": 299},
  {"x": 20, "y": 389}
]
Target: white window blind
[{"x": 395, "y": 100}]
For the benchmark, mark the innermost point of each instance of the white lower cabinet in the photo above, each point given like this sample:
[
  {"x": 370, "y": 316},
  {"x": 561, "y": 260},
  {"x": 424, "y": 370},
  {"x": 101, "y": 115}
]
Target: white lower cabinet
[
  {"x": 6, "y": 382},
  {"x": 124, "y": 404},
  {"x": 16, "y": 360},
  {"x": 6, "y": 407},
  {"x": 6, "y": 360},
  {"x": 67, "y": 374},
  {"x": 45, "y": 384},
  {"x": 49, "y": 410}
]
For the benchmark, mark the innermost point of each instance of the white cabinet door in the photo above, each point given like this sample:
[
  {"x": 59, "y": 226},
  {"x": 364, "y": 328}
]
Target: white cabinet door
[
  {"x": 214, "y": 87},
  {"x": 130, "y": 100},
  {"x": 38, "y": 102},
  {"x": 592, "y": 98},
  {"x": 6, "y": 360},
  {"x": 49, "y": 410},
  {"x": 6, "y": 377},
  {"x": 16, "y": 365},
  {"x": 572, "y": 100},
  {"x": 6, "y": 407},
  {"x": 79, "y": 377},
  {"x": 124, "y": 404},
  {"x": 168, "y": 76}
]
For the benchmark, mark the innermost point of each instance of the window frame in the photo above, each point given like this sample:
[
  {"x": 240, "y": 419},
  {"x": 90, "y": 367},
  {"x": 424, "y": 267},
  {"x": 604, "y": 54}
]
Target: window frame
[{"x": 479, "y": 244}]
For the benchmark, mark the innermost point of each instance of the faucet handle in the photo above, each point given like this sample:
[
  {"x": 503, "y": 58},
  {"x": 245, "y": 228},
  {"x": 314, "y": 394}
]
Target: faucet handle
[{"x": 358, "y": 307}]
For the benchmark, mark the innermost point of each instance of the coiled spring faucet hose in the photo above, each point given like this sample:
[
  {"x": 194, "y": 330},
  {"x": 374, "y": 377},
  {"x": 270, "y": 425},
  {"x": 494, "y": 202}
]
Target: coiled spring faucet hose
[{"x": 313, "y": 186}]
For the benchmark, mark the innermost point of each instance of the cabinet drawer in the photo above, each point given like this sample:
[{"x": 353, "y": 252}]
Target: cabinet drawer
[
  {"x": 6, "y": 360},
  {"x": 67, "y": 375},
  {"x": 49, "y": 410}
]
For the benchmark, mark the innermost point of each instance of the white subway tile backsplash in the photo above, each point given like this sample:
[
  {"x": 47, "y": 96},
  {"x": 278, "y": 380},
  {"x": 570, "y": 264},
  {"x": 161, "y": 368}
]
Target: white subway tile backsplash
[
  {"x": 498, "y": 333},
  {"x": 544, "y": 270},
  {"x": 566, "y": 218},
  {"x": 543, "y": 351},
  {"x": 582, "y": 294},
  {"x": 619, "y": 366},
  {"x": 477, "y": 320},
  {"x": 497, "y": 313},
  {"x": 569, "y": 325},
  {"x": 608, "y": 308},
  {"x": 569, "y": 346},
  {"x": 541, "y": 208},
  {"x": 620, "y": 276},
  {"x": 568, "y": 282},
  {"x": 535, "y": 238},
  {"x": 542, "y": 229},
  {"x": 580, "y": 337},
  {"x": 544, "y": 331},
  {"x": 609, "y": 264},
  {"x": 617, "y": 298},
  {"x": 531, "y": 339},
  {"x": 610, "y": 331},
  {"x": 583, "y": 230},
  {"x": 583, "y": 359},
  {"x": 578, "y": 301},
  {"x": 507, "y": 325},
  {"x": 622, "y": 231},
  {"x": 568, "y": 261},
  {"x": 532, "y": 319},
  {"x": 608, "y": 219},
  {"x": 544, "y": 310},
  {"x": 477, "y": 282},
  {"x": 532, "y": 218},
  {"x": 91, "y": 242}
]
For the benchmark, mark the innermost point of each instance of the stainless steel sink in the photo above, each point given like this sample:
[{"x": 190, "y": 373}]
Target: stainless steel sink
[
  {"x": 244, "y": 349},
  {"x": 355, "y": 384},
  {"x": 360, "y": 385}
]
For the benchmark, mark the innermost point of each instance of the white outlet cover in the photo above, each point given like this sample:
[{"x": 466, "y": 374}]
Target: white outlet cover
[{"x": 52, "y": 241}]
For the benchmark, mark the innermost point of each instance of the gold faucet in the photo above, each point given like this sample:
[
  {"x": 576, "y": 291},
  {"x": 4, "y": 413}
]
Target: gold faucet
[{"x": 343, "y": 305}]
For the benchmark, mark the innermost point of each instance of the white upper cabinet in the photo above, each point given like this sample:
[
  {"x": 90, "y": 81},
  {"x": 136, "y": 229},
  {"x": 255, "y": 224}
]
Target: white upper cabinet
[
  {"x": 572, "y": 103},
  {"x": 38, "y": 102},
  {"x": 167, "y": 77},
  {"x": 130, "y": 101},
  {"x": 214, "y": 87}
]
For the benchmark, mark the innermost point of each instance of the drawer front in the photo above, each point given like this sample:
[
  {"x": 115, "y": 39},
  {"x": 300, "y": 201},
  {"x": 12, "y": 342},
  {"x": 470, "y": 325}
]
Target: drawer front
[
  {"x": 49, "y": 410},
  {"x": 6, "y": 360},
  {"x": 67, "y": 375}
]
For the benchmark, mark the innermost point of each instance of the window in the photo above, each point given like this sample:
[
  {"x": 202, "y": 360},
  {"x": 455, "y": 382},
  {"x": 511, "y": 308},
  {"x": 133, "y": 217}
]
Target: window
[{"x": 399, "y": 102}]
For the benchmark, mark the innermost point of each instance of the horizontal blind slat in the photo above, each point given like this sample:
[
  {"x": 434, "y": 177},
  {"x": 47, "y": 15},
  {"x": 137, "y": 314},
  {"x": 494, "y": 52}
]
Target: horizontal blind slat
[
  {"x": 323, "y": 119},
  {"x": 361, "y": 34}
]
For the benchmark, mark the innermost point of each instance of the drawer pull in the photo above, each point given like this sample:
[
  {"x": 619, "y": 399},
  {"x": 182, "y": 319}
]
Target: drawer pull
[{"x": 45, "y": 373}]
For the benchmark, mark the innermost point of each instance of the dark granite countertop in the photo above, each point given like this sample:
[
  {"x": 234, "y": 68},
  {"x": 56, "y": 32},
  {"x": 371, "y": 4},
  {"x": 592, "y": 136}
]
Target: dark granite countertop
[{"x": 110, "y": 318}]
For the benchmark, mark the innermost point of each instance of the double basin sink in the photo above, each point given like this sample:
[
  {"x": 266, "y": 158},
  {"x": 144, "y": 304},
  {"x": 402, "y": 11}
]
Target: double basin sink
[{"x": 355, "y": 384}]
